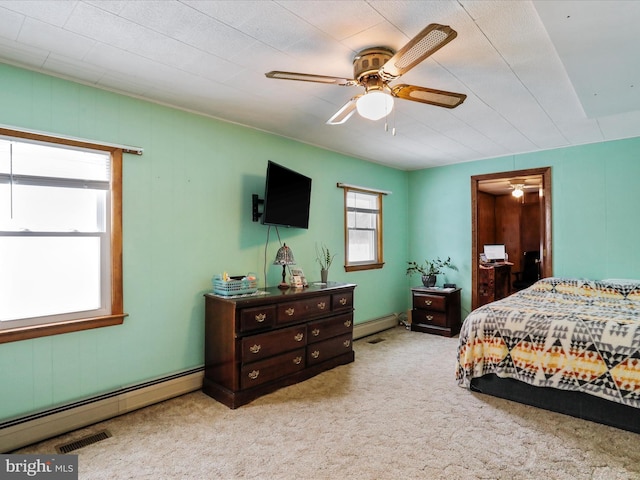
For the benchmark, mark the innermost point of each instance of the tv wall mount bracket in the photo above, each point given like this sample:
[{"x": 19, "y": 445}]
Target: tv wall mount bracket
[{"x": 255, "y": 203}]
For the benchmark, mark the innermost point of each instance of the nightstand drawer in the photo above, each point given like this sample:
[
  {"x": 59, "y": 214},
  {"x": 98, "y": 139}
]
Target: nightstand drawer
[
  {"x": 321, "y": 351},
  {"x": 323, "y": 329},
  {"x": 257, "y": 373},
  {"x": 429, "y": 317},
  {"x": 257, "y": 347},
  {"x": 256, "y": 318},
  {"x": 303, "y": 309},
  {"x": 430, "y": 302}
]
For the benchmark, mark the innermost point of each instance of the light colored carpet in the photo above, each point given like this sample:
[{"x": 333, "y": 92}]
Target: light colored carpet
[{"x": 395, "y": 413}]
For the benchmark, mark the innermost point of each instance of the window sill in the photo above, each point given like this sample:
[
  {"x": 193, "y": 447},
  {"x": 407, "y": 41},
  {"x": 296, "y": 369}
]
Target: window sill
[
  {"x": 36, "y": 331},
  {"x": 365, "y": 266}
]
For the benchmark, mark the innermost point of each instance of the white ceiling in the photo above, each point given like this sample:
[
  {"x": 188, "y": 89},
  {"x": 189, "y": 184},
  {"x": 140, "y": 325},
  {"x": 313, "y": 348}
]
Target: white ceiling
[{"x": 538, "y": 75}]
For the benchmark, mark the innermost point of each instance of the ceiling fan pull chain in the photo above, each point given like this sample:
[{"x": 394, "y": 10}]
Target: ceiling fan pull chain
[{"x": 393, "y": 130}]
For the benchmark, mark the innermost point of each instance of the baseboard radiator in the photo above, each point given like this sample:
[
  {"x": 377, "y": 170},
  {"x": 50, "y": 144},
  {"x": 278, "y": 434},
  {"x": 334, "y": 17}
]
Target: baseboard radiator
[
  {"x": 50, "y": 423},
  {"x": 375, "y": 326},
  {"x": 34, "y": 428}
]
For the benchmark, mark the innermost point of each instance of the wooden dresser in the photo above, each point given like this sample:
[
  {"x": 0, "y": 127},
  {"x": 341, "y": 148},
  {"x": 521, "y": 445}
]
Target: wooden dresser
[
  {"x": 494, "y": 282},
  {"x": 436, "y": 310},
  {"x": 257, "y": 344}
]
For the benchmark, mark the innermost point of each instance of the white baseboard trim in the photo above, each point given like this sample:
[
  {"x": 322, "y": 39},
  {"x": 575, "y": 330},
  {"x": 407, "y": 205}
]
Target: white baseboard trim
[
  {"x": 58, "y": 421},
  {"x": 374, "y": 326}
]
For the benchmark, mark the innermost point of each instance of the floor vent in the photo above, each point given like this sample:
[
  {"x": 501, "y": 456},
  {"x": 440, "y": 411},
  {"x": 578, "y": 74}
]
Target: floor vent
[
  {"x": 376, "y": 340},
  {"x": 83, "y": 442}
]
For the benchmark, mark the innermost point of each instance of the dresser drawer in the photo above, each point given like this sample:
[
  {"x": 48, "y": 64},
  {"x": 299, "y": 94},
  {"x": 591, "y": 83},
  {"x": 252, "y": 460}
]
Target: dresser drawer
[
  {"x": 323, "y": 329},
  {"x": 429, "y": 317},
  {"x": 341, "y": 301},
  {"x": 430, "y": 302},
  {"x": 257, "y": 373},
  {"x": 257, "y": 347},
  {"x": 302, "y": 309},
  {"x": 257, "y": 318},
  {"x": 321, "y": 351}
]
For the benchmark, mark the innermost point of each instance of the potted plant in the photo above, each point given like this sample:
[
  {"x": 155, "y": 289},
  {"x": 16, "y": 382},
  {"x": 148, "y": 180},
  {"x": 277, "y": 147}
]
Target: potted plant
[
  {"x": 324, "y": 258},
  {"x": 429, "y": 269}
]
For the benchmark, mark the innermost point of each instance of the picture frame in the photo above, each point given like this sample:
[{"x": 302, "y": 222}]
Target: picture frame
[{"x": 298, "y": 279}]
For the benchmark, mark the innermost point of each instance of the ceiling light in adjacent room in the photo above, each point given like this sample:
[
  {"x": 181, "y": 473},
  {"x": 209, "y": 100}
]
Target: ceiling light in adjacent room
[{"x": 517, "y": 191}]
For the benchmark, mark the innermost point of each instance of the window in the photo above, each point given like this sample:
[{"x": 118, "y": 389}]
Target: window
[
  {"x": 363, "y": 229},
  {"x": 60, "y": 236}
]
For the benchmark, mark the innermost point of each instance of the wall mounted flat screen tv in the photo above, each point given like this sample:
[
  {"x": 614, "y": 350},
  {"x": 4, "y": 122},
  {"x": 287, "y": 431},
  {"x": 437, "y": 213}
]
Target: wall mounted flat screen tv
[{"x": 287, "y": 197}]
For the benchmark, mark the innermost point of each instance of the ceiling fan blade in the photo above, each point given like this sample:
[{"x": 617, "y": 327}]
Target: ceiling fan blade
[
  {"x": 344, "y": 113},
  {"x": 439, "y": 98},
  {"x": 307, "y": 77},
  {"x": 433, "y": 37}
]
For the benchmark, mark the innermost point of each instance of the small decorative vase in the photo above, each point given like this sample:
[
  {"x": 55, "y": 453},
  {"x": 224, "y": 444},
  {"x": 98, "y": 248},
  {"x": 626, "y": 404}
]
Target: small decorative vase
[
  {"x": 429, "y": 280},
  {"x": 323, "y": 275}
]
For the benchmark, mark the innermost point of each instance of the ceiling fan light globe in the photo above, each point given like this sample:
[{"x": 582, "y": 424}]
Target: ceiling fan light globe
[
  {"x": 517, "y": 192},
  {"x": 375, "y": 105}
]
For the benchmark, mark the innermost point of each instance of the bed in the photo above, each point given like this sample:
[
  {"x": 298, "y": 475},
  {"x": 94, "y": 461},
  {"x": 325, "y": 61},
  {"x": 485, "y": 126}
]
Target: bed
[{"x": 563, "y": 344}]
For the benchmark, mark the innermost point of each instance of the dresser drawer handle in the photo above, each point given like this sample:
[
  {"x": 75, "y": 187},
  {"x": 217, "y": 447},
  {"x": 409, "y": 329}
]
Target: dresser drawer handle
[
  {"x": 289, "y": 311},
  {"x": 343, "y": 301},
  {"x": 428, "y": 302},
  {"x": 347, "y": 323},
  {"x": 315, "y": 332},
  {"x": 261, "y": 317},
  {"x": 254, "y": 374},
  {"x": 429, "y": 317},
  {"x": 315, "y": 353},
  {"x": 254, "y": 348},
  {"x": 299, "y": 337},
  {"x": 297, "y": 360},
  {"x": 346, "y": 343},
  {"x": 321, "y": 305}
]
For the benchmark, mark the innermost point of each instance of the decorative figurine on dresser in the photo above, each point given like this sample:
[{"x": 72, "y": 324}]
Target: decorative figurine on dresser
[
  {"x": 258, "y": 343},
  {"x": 436, "y": 310}
]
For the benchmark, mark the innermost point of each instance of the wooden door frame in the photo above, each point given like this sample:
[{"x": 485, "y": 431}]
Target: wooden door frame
[{"x": 546, "y": 243}]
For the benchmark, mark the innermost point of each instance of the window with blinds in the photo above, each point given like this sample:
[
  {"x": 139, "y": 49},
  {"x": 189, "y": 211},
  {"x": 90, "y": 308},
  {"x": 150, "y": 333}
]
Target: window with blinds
[
  {"x": 55, "y": 234},
  {"x": 363, "y": 229}
]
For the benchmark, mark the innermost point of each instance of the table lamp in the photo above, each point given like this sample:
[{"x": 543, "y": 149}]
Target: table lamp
[{"x": 284, "y": 257}]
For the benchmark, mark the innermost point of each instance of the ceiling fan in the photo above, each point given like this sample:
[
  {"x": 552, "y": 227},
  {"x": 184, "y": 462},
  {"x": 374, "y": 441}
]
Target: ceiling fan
[{"x": 375, "y": 68}]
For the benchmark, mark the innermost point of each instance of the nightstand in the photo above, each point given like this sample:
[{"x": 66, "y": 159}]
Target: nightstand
[{"x": 436, "y": 310}]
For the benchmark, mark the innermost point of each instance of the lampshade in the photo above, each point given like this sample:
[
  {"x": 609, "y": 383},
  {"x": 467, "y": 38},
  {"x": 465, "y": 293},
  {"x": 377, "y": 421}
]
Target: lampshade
[
  {"x": 284, "y": 257},
  {"x": 374, "y": 105}
]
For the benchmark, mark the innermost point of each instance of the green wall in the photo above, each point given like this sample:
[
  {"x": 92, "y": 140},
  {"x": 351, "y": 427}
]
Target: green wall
[
  {"x": 186, "y": 215},
  {"x": 594, "y": 221}
]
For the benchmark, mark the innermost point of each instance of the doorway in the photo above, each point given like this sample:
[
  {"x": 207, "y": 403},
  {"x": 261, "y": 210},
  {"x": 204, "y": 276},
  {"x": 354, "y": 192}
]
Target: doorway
[{"x": 535, "y": 200}]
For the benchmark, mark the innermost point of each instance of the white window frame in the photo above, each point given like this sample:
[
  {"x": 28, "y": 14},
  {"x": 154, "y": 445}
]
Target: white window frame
[{"x": 111, "y": 311}]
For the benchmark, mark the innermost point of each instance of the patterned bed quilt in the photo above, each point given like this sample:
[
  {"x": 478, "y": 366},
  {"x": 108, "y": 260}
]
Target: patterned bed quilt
[{"x": 569, "y": 334}]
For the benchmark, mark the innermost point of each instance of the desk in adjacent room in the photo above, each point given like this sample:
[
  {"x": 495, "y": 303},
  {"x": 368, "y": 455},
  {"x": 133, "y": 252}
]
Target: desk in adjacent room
[{"x": 494, "y": 282}]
